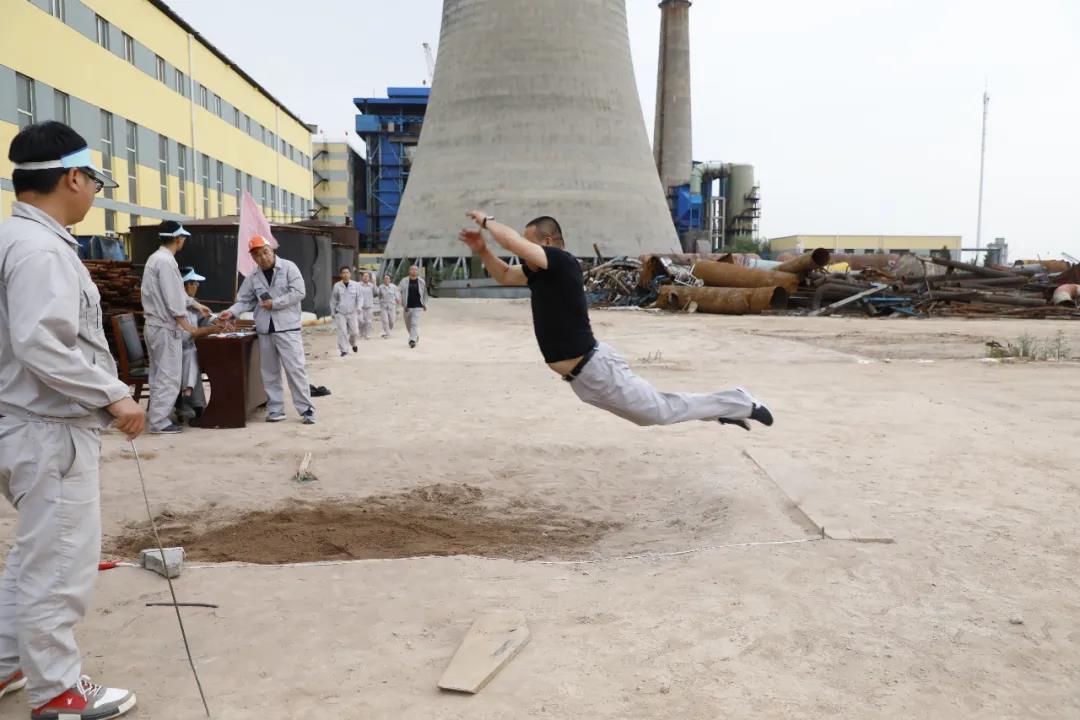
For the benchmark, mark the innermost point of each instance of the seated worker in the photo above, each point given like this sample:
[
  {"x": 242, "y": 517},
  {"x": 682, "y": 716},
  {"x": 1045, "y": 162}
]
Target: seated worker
[{"x": 192, "y": 395}]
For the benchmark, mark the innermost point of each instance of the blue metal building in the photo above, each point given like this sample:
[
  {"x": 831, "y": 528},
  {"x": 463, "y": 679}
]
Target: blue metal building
[{"x": 390, "y": 127}]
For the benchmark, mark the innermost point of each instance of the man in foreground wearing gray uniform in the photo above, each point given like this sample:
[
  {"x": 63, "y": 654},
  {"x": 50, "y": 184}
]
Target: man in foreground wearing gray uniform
[
  {"x": 388, "y": 302},
  {"x": 345, "y": 309},
  {"x": 596, "y": 373},
  {"x": 274, "y": 292},
  {"x": 165, "y": 308},
  {"x": 58, "y": 389}
]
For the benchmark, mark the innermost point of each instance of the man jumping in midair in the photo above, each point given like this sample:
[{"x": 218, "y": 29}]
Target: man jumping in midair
[{"x": 596, "y": 373}]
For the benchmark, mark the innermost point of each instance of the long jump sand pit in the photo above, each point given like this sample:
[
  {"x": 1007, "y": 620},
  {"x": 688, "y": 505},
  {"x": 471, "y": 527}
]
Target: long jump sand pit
[
  {"x": 662, "y": 573},
  {"x": 436, "y": 520}
]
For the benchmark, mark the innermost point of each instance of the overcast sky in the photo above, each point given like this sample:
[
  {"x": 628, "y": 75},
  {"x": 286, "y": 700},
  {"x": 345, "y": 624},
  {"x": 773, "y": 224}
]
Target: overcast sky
[{"x": 861, "y": 116}]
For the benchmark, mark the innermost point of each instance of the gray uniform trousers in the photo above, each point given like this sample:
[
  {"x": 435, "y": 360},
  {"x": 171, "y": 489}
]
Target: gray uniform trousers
[
  {"x": 166, "y": 349},
  {"x": 49, "y": 472},
  {"x": 348, "y": 330},
  {"x": 367, "y": 318},
  {"x": 386, "y": 314},
  {"x": 412, "y": 322},
  {"x": 607, "y": 382},
  {"x": 284, "y": 351},
  {"x": 191, "y": 376}
]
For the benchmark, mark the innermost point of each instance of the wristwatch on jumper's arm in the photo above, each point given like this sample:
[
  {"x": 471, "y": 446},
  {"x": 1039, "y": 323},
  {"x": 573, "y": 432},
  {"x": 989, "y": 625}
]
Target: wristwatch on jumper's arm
[{"x": 485, "y": 221}]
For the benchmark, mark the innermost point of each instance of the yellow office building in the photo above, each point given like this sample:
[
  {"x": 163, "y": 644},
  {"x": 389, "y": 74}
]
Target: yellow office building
[
  {"x": 335, "y": 166},
  {"x": 867, "y": 244},
  {"x": 181, "y": 128}
]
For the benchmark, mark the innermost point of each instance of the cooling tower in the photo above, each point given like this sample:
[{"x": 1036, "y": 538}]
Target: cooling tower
[
  {"x": 673, "y": 132},
  {"x": 534, "y": 111}
]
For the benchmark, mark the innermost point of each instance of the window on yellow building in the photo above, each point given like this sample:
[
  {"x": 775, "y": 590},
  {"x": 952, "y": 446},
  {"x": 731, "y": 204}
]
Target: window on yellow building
[
  {"x": 107, "y": 147},
  {"x": 58, "y": 9},
  {"x": 181, "y": 175},
  {"x": 131, "y": 137},
  {"x": 61, "y": 107},
  {"x": 24, "y": 100},
  {"x": 163, "y": 170},
  {"x": 219, "y": 181},
  {"x": 101, "y": 26},
  {"x": 129, "y": 48},
  {"x": 205, "y": 166},
  {"x": 160, "y": 67}
]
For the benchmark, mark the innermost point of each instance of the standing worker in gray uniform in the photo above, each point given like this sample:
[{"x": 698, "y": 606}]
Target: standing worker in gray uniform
[
  {"x": 388, "y": 302},
  {"x": 596, "y": 373},
  {"x": 274, "y": 292},
  {"x": 165, "y": 308},
  {"x": 345, "y": 309},
  {"x": 367, "y": 305},
  {"x": 58, "y": 389},
  {"x": 413, "y": 291}
]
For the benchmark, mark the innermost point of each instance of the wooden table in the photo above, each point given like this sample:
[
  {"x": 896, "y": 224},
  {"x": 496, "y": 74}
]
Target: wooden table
[{"x": 236, "y": 388}]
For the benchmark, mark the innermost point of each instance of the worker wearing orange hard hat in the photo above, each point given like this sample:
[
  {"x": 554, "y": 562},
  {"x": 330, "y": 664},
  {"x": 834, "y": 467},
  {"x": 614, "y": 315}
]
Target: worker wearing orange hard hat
[{"x": 273, "y": 292}]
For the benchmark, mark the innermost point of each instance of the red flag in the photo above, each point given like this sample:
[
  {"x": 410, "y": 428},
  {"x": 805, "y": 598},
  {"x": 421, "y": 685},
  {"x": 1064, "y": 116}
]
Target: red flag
[{"x": 252, "y": 223}]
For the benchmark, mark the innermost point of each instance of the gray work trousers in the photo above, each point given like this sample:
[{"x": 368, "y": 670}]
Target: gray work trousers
[
  {"x": 191, "y": 376},
  {"x": 367, "y": 317},
  {"x": 166, "y": 349},
  {"x": 347, "y": 330},
  {"x": 49, "y": 472},
  {"x": 386, "y": 314},
  {"x": 607, "y": 382},
  {"x": 412, "y": 322},
  {"x": 284, "y": 351}
]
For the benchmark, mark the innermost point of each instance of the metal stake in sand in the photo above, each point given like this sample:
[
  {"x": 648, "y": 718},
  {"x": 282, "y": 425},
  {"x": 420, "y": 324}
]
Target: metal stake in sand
[{"x": 176, "y": 605}]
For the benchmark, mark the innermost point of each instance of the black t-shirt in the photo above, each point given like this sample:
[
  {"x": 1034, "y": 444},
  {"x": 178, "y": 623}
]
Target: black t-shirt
[
  {"x": 269, "y": 275},
  {"x": 414, "y": 294},
  {"x": 560, "y": 313}
]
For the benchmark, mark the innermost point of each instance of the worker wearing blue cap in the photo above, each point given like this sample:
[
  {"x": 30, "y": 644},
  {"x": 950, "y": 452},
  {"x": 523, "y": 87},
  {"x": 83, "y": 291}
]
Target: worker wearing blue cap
[
  {"x": 192, "y": 394},
  {"x": 165, "y": 310},
  {"x": 58, "y": 389}
]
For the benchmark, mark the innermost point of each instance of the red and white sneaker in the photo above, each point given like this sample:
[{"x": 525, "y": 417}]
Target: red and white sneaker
[
  {"x": 86, "y": 701},
  {"x": 13, "y": 683}
]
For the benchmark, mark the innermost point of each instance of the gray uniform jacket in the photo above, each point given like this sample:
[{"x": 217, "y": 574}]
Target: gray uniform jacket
[
  {"x": 403, "y": 288},
  {"x": 163, "y": 296},
  {"x": 55, "y": 364},
  {"x": 286, "y": 290},
  {"x": 345, "y": 300},
  {"x": 388, "y": 295},
  {"x": 367, "y": 295}
]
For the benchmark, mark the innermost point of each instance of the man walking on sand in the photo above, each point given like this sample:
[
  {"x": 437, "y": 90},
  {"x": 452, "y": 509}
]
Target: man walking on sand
[
  {"x": 367, "y": 305},
  {"x": 388, "y": 302},
  {"x": 345, "y": 309},
  {"x": 58, "y": 389},
  {"x": 596, "y": 373},
  {"x": 413, "y": 294}
]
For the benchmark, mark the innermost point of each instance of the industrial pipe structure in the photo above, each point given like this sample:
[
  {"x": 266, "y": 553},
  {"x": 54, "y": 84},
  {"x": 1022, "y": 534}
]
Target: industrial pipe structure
[
  {"x": 534, "y": 110},
  {"x": 723, "y": 301},
  {"x": 727, "y": 275}
]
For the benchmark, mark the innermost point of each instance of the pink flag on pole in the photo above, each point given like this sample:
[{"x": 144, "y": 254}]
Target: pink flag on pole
[{"x": 252, "y": 223}]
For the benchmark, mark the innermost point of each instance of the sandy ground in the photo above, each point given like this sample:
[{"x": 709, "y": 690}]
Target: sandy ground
[{"x": 971, "y": 467}]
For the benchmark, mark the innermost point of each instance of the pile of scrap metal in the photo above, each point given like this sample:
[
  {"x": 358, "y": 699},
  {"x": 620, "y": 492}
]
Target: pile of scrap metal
[{"x": 937, "y": 286}]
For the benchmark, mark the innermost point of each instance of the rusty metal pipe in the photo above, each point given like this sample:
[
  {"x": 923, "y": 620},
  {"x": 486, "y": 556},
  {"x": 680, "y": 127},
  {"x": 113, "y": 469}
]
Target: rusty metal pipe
[
  {"x": 723, "y": 301},
  {"x": 976, "y": 269},
  {"x": 803, "y": 264},
  {"x": 726, "y": 275}
]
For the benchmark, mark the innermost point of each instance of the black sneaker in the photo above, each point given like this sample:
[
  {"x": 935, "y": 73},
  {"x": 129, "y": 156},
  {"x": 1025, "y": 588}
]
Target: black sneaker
[
  {"x": 353, "y": 349},
  {"x": 172, "y": 429},
  {"x": 758, "y": 412},
  {"x": 412, "y": 343}
]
